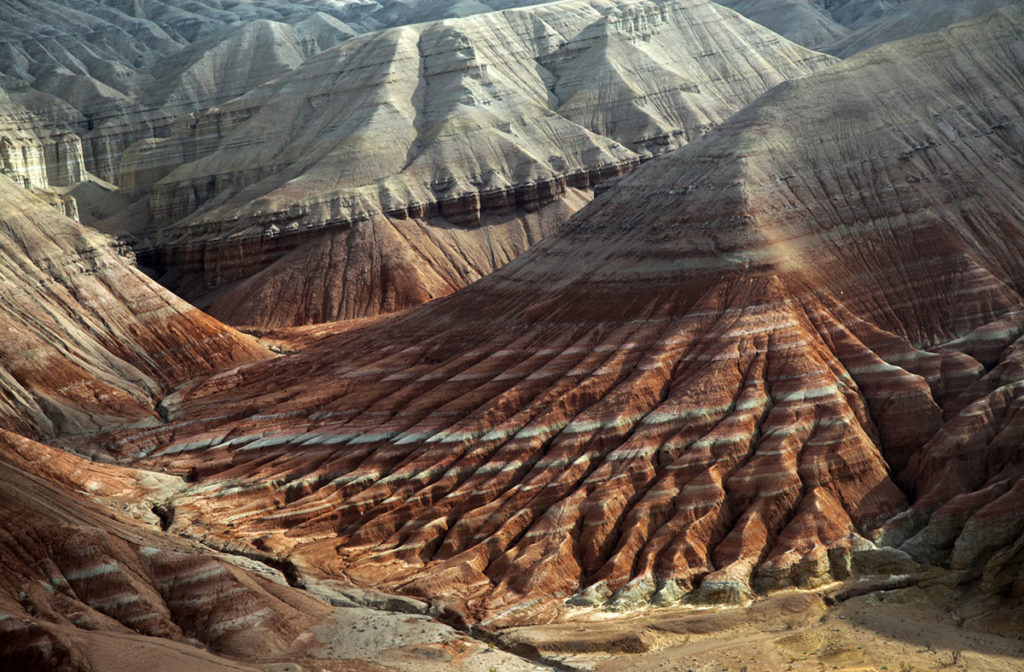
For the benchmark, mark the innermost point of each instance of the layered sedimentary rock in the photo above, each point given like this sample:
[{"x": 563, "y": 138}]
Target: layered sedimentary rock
[
  {"x": 725, "y": 375},
  {"x": 116, "y": 73},
  {"x": 497, "y": 113},
  {"x": 88, "y": 581},
  {"x": 844, "y": 27},
  {"x": 380, "y": 266},
  {"x": 80, "y": 588},
  {"x": 35, "y": 154},
  {"x": 87, "y": 337}
]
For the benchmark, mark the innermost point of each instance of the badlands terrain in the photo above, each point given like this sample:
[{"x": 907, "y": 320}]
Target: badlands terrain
[{"x": 582, "y": 335}]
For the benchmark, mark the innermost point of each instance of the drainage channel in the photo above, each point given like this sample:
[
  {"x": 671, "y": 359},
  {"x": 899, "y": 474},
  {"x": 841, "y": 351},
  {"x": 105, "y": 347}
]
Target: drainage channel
[{"x": 394, "y": 604}]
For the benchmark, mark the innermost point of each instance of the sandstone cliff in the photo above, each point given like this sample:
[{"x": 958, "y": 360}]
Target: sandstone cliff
[{"x": 725, "y": 375}]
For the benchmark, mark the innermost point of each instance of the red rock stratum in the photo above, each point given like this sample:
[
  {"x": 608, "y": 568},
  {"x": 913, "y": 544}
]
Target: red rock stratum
[
  {"x": 87, "y": 338},
  {"x": 725, "y": 375}
]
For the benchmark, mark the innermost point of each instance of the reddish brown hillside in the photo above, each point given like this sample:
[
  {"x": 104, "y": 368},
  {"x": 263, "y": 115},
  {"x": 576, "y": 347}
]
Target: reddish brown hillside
[
  {"x": 87, "y": 339},
  {"x": 83, "y": 589},
  {"x": 724, "y": 376}
]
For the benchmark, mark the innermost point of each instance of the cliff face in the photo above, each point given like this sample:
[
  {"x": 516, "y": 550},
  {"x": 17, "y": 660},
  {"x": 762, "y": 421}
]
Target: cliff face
[
  {"x": 34, "y": 153},
  {"x": 443, "y": 123},
  {"x": 742, "y": 368},
  {"x": 88, "y": 338}
]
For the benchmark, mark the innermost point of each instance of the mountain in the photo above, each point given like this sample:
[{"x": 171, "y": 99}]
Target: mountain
[
  {"x": 844, "y": 27},
  {"x": 116, "y": 72},
  {"x": 88, "y": 339},
  {"x": 407, "y": 163},
  {"x": 783, "y": 354}
]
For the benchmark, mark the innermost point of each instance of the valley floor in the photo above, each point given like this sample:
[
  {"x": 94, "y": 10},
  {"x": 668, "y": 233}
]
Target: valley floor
[{"x": 901, "y": 630}]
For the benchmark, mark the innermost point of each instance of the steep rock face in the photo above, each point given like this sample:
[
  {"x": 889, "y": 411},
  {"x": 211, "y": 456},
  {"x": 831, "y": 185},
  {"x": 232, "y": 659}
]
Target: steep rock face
[
  {"x": 498, "y": 112},
  {"x": 87, "y": 337},
  {"x": 700, "y": 388},
  {"x": 33, "y": 153},
  {"x": 845, "y": 27}
]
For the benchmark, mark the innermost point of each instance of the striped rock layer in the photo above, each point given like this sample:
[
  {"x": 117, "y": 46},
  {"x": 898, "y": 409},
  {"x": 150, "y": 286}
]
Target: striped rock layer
[
  {"x": 87, "y": 338},
  {"x": 115, "y": 73},
  {"x": 80, "y": 587},
  {"x": 440, "y": 136},
  {"x": 742, "y": 368}
]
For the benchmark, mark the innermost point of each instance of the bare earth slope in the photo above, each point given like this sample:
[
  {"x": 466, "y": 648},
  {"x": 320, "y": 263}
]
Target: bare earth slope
[
  {"x": 724, "y": 376},
  {"x": 87, "y": 337},
  {"x": 89, "y": 582},
  {"x": 82, "y": 589},
  {"x": 394, "y": 134},
  {"x": 116, "y": 72}
]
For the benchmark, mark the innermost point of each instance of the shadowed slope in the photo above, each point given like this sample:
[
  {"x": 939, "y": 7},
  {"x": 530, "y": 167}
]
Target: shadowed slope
[
  {"x": 698, "y": 389},
  {"x": 88, "y": 339}
]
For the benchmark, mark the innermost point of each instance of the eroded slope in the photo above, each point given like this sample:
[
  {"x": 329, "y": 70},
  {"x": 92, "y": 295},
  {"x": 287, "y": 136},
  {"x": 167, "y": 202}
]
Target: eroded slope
[
  {"x": 845, "y": 27},
  {"x": 724, "y": 376},
  {"x": 87, "y": 337},
  {"x": 404, "y": 134}
]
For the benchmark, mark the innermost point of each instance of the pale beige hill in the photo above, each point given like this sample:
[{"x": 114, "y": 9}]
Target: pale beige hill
[
  {"x": 88, "y": 339},
  {"x": 117, "y": 72},
  {"x": 503, "y": 113}
]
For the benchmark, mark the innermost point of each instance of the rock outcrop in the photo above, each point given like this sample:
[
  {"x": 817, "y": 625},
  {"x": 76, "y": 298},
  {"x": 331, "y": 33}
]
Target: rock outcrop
[
  {"x": 35, "y": 154},
  {"x": 725, "y": 375},
  {"x": 88, "y": 339},
  {"x": 441, "y": 123}
]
